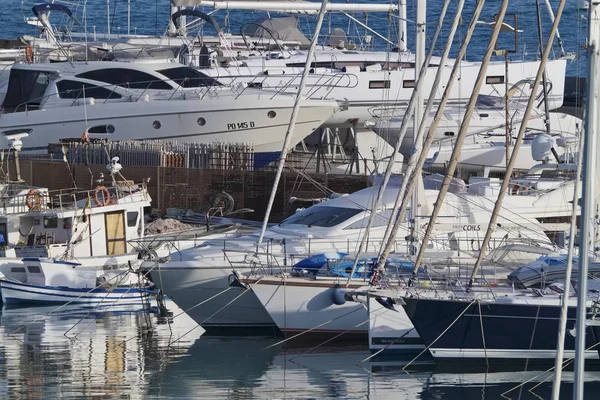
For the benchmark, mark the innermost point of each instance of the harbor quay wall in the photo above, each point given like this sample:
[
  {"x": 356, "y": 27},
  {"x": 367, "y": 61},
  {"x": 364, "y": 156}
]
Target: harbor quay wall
[{"x": 195, "y": 189}]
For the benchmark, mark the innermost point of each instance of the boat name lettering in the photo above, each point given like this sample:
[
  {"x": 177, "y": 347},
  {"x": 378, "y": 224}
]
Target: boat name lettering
[
  {"x": 232, "y": 126},
  {"x": 471, "y": 227}
]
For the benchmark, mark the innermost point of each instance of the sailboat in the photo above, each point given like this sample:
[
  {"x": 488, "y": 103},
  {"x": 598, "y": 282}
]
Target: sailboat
[{"x": 523, "y": 326}]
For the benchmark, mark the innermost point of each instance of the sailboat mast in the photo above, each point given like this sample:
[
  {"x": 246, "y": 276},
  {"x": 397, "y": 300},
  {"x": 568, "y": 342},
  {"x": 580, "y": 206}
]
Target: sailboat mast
[
  {"x": 513, "y": 158},
  {"x": 460, "y": 138},
  {"x": 108, "y": 16},
  {"x": 558, "y": 39},
  {"x": 588, "y": 193},
  {"x": 392, "y": 160},
  {"x": 402, "y": 37},
  {"x": 418, "y": 115},
  {"x": 413, "y": 168},
  {"x": 290, "y": 130},
  {"x": 544, "y": 80}
]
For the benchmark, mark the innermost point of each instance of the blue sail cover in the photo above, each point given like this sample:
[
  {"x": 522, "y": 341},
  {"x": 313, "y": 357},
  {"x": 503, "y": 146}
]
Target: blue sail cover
[{"x": 40, "y": 9}]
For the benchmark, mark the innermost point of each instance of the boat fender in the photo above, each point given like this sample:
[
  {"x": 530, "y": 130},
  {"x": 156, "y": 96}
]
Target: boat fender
[{"x": 338, "y": 296}]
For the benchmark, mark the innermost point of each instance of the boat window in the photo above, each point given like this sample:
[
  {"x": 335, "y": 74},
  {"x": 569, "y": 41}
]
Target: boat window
[
  {"x": 189, "y": 77},
  {"x": 381, "y": 219},
  {"x": 25, "y": 90},
  {"x": 34, "y": 269},
  {"x": 132, "y": 217},
  {"x": 74, "y": 90},
  {"x": 125, "y": 77},
  {"x": 318, "y": 64},
  {"x": 17, "y": 269},
  {"x": 50, "y": 222},
  {"x": 409, "y": 83},
  {"x": 322, "y": 216},
  {"x": 379, "y": 84},
  {"x": 491, "y": 80}
]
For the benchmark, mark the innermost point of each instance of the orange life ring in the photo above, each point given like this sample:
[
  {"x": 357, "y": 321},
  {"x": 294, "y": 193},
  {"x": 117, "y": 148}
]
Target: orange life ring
[
  {"x": 105, "y": 196},
  {"x": 29, "y": 54},
  {"x": 33, "y": 200}
]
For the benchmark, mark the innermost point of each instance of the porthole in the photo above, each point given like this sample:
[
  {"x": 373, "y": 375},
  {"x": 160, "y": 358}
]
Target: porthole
[
  {"x": 201, "y": 121},
  {"x": 102, "y": 129},
  {"x": 156, "y": 124},
  {"x": 271, "y": 114}
]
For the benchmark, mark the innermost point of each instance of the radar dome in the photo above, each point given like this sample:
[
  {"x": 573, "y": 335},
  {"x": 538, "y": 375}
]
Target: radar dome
[{"x": 541, "y": 147}]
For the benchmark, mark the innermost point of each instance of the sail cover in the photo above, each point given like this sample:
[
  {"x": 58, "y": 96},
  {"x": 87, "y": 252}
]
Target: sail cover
[{"x": 284, "y": 28}]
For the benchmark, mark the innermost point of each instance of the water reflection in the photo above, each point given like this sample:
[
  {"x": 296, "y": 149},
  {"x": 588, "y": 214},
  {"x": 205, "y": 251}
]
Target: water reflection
[
  {"x": 82, "y": 352},
  {"x": 247, "y": 368},
  {"x": 49, "y": 352}
]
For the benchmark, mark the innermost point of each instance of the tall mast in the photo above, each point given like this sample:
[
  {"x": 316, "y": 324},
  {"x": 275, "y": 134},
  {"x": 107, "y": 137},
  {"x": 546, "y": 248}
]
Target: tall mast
[
  {"x": 460, "y": 138},
  {"x": 290, "y": 130},
  {"x": 419, "y": 58},
  {"x": 588, "y": 192},
  {"x": 413, "y": 169},
  {"x": 513, "y": 158},
  {"x": 544, "y": 81},
  {"x": 402, "y": 37},
  {"x": 392, "y": 160}
]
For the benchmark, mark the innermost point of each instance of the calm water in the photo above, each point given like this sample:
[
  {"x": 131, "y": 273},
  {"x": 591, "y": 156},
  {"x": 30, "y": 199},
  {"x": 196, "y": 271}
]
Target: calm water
[{"x": 75, "y": 353}]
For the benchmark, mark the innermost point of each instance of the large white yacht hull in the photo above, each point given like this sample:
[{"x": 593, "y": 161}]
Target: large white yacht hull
[
  {"x": 367, "y": 96},
  {"x": 259, "y": 120}
]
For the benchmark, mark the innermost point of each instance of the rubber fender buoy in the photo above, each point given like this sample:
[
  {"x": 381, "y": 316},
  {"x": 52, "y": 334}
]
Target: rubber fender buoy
[{"x": 338, "y": 296}]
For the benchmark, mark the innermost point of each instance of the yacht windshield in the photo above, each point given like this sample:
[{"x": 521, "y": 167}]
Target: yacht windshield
[
  {"x": 189, "y": 77},
  {"x": 322, "y": 216},
  {"x": 25, "y": 90}
]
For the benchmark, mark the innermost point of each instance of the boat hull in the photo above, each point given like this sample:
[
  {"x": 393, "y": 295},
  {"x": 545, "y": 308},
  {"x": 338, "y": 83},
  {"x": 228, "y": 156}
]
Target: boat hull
[
  {"x": 14, "y": 293},
  {"x": 257, "y": 120},
  {"x": 205, "y": 294},
  {"x": 309, "y": 307},
  {"x": 496, "y": 330}
]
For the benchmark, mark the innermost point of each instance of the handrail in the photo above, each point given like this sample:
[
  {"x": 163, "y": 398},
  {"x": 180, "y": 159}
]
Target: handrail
[
  {"x": 61, "y": 199},
  {"x": 202, "y": 91}
]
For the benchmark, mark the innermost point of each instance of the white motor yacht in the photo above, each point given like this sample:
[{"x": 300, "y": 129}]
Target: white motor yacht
[{"x": 118, "y": 101}]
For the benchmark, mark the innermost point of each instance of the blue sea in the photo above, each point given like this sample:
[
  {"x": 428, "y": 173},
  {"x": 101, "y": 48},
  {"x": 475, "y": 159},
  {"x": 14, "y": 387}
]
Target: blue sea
[{"x": 71, "y": 352}]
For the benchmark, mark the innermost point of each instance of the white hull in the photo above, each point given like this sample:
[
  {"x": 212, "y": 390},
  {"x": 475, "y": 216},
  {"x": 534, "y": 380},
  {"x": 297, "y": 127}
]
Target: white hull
[
  {"x": 22, "y": 293},
  {"x": 299, "y": 308},
  {"x": 366, "y": 100},
  {"x": 391, "y": 331},
  {"x": 227, "y": 119},
  {"x": 191, "y": 289},
  {"x": 486, "y": 144}
]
